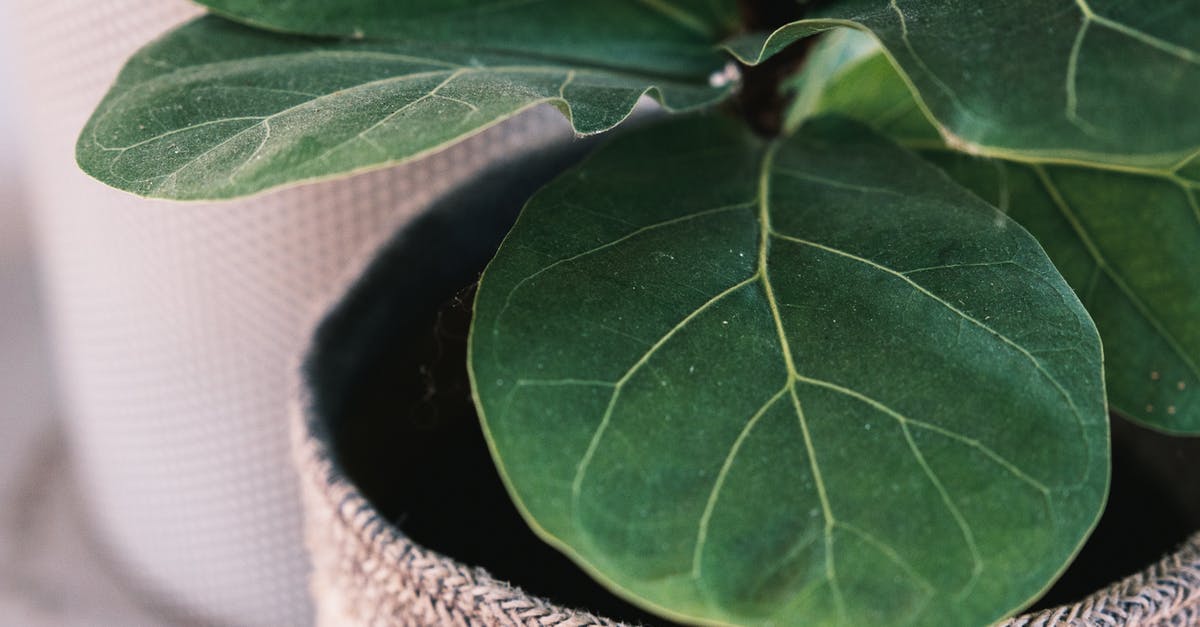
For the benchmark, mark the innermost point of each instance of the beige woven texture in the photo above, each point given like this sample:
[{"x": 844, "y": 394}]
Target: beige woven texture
[
  {"x": 365, "y": 573},
  {"x": 1166, "y": 594}
]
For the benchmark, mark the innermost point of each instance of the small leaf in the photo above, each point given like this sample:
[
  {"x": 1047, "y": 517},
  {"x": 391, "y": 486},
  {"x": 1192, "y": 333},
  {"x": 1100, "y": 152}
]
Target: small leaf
[
  {"x": 1126, "y": 241},
  {"x": 805, "y": 382},
  {"x": 1093, "y": 81},
  {"x": 218, "y": 110}
]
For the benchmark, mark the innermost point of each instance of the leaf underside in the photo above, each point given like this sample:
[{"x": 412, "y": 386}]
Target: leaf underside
[
  {"x": 217, "y": 110},
  {"x": 1098, "y": 81},
  {"x": 793, "y": 383},
  {"x": 1127, "y": 242}
]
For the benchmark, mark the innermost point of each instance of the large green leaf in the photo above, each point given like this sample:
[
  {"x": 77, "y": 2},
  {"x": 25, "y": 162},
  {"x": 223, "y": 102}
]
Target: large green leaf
[
  {"x": 807, "y": 382},
  {"x": 610, "y": 32},
  {"x": 217, "y": 110},
  {"x": 1069, "y": 80},
  {"x": 1127, "y": 242}
]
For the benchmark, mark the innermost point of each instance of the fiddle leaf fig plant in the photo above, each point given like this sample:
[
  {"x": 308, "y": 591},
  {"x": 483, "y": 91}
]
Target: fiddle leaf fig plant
[{"x": 824, "y": 349}]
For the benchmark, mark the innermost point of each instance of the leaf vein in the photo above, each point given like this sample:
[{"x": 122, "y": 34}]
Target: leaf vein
[
  {"x": 764, "y": 217},
  {"x": 805, "y": 176},
  {"x": 826, "y": 507},
  {"x": 937, "y": 80},
  {"x": 902, "y": 419},
  {"x": 714, "y": 493},
  {"x": 963, "y": 526},
  {"x": 391, "y": 116},
  {"x": 591, "y": 251},
  {"x": 297, "y": 107},
  {"x": 921, "y": 289},
  {"x": 1138, "y": 304},
  {"x": 890, "y": 552},
  {"x": 582, "y": 467},
  {"x": 190, "y": 127},
  {"x": 952, "y": 266}
]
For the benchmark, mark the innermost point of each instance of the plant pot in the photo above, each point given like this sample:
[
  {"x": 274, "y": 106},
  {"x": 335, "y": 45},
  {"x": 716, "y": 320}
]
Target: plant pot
[
  {"x": 404, "y": 509},
  {"x": 176, "y": 324}
]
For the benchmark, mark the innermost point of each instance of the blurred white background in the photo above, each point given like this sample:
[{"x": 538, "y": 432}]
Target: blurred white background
[
  {"x": 24, "y": 390},
  {"x": 24, "y": 380},
  {"x": 176, "y": 330},
  {"x": 26, "y": 435},
  {"x": 50, "y": 574}
]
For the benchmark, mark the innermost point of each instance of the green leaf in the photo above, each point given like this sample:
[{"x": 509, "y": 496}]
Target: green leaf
[
  {"x": 218, "y": 110},
  {"x": 1094, "y": 81},
  {"x": 1126, "y": 241},
  {"x": 807, "y": 382},
  {"x": 613, "y": 32}
]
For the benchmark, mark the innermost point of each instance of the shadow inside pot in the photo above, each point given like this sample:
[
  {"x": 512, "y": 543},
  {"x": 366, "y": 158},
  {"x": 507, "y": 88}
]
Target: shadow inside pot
[
  {"x": 387, "y": 373},
  {"x": 1153, "y": 506}
]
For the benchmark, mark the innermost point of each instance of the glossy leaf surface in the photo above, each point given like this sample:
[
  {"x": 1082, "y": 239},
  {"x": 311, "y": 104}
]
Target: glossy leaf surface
[
  {"x": 1127, "y": 242},
  {"x": 808, "y": 382},
  {"x": 1098, "y": 81},
  {"x": 218, "y": 110}
]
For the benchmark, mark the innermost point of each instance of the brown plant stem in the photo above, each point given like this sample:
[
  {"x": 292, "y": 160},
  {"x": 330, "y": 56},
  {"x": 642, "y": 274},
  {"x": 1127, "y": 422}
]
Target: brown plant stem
[{"x": 760, "y": 100}]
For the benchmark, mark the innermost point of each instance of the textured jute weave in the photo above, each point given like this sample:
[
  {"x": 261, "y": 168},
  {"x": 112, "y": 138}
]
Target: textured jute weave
[
  {"x": 1166, "y": 594},
  {"x": 365, "y": 572}
]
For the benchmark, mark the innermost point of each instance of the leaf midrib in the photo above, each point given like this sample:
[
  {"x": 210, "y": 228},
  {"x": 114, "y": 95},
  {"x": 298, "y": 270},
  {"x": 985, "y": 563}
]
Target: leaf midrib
[
  {"x": 764, "y": 247},
  {"x": 762, "y": 277}
]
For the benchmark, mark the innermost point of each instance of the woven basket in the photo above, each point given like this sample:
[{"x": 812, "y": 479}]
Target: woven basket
[{"x": 367, "y": 572}]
